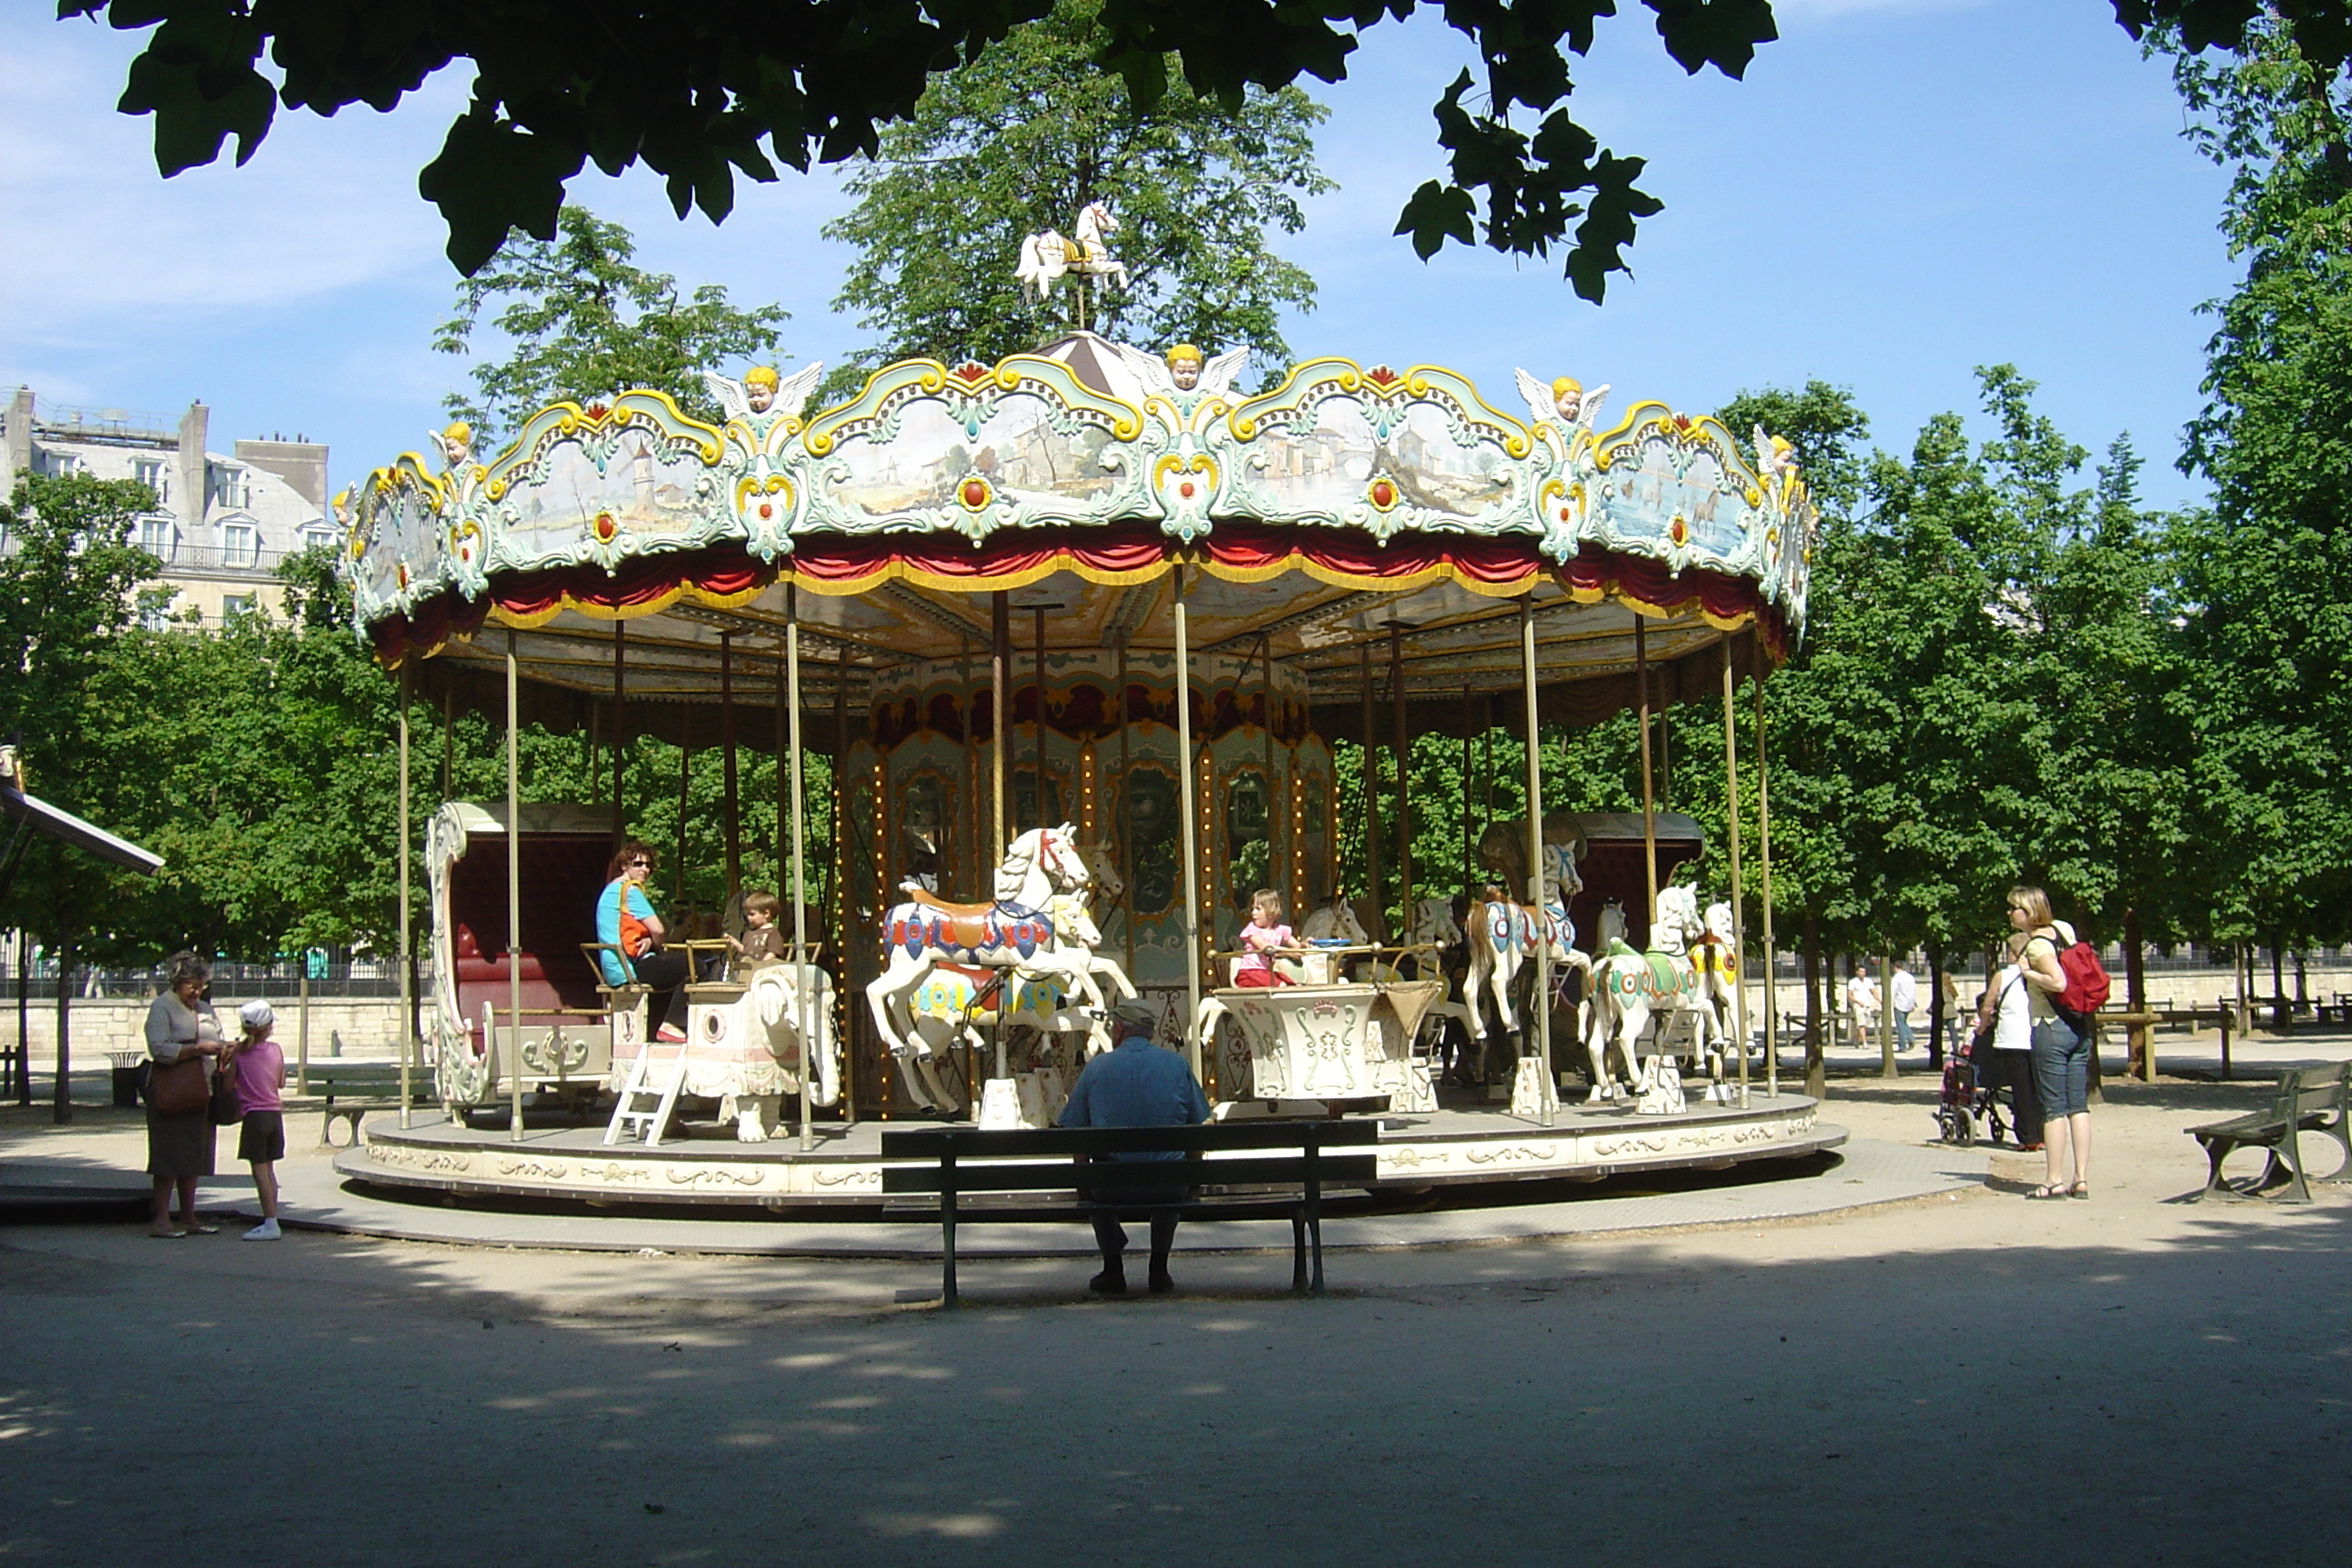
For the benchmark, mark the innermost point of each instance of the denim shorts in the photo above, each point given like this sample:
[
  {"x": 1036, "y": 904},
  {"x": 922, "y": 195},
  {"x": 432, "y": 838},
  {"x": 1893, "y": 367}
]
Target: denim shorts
[{"x": 2062, "y": 1069}]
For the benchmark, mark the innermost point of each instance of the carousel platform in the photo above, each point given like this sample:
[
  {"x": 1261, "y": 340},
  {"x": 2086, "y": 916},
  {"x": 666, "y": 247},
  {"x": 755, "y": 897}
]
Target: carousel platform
[{"x": 840, "y": 1176}]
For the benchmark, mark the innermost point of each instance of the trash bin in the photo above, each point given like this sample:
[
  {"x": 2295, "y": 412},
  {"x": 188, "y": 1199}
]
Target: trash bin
[{"x": 126, "y": 1084}]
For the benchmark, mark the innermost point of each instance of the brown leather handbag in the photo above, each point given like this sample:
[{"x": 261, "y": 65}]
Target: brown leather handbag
[{"x": 177, "y": 1088}]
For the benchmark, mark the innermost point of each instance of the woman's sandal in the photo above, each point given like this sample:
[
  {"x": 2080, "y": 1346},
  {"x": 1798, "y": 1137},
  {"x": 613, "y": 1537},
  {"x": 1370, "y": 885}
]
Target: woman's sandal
[
  {"x": 2046, "y": 1191},
  {"x": 166, "y": 1234},
  {"x": 194, "y": 1229},
  {"x": 2080, "y": 1190}
]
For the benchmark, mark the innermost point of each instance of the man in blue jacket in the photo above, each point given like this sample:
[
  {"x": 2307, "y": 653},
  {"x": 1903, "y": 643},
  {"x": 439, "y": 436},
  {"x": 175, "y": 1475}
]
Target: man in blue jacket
[{"x": 1137, "y": 1084}]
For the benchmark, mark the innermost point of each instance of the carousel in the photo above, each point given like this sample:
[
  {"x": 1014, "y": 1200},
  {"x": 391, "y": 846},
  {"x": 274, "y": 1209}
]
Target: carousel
[{"x": 1076, "y": 633}]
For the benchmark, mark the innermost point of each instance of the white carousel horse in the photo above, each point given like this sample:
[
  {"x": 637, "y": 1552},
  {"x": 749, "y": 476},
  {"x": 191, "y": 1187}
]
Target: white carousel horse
[
  {"x": 1433, "y": 925},
  {"x": 1046, "y": 257},
  {"x": 1037, "y": 926},
  {"x": 1631, "y": 988},
  {"x": 1716, "y": 956},
  {"x": 1503, "y": 937}
]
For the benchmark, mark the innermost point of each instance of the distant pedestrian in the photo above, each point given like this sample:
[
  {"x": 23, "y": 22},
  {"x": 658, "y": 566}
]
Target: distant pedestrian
[
  {"x": 1902, "y": 1001},
  {"x": 180, "y": 1028},
  {"x": 1137, "y": 1084},
  {"x": 258, "y": 1063},
  {"x": 2004, "y": 1017},
  {"x": 1862, "y": 1006},
  {"x": 2061, "y": 1058}
]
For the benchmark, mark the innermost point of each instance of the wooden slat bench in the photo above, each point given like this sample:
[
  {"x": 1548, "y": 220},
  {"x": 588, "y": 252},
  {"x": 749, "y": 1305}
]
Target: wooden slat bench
[
  {"x": 351, "y": 1090},
  {"x": 2317, "y": 1100},
  {"x": 1059, "y": 1174}
]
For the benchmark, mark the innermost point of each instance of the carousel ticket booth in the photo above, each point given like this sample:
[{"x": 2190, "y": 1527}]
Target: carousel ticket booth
[{"x": 1078, "y": 631}]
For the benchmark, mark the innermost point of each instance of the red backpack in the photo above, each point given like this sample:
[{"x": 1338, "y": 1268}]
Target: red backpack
[{"x": 2086, "y": 982}]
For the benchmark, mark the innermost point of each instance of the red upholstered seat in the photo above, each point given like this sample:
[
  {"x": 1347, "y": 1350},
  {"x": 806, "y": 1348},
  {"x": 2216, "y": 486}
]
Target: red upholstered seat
[{"x": 562, "y": 875}]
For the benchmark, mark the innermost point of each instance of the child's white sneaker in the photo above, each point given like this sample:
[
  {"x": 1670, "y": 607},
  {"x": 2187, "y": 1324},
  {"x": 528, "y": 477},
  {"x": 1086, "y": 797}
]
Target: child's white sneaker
[{"x": 265, "y": 1231}]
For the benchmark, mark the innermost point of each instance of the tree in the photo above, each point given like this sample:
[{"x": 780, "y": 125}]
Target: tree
[
  {"x": 704, "y": 92},
  {"x": 583, "y": 321},
  {"x": 1029, "y": 133},
  {"x": 2265, "y": 599}
]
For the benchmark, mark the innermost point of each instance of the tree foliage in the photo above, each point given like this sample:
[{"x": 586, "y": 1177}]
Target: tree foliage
[
  {"x": 705, "y": 92},
  {"x": 1018, "y": 142},
  {"x": 582, "y": 321},
  {"x": 2266, "y": 598}
]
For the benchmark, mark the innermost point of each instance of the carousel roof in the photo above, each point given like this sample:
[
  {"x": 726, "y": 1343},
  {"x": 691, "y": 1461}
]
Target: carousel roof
[{"x": 1340, "y": 507}]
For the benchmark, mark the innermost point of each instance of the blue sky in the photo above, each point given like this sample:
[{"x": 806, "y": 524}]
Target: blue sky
[{"x": 1901, "y": 190}]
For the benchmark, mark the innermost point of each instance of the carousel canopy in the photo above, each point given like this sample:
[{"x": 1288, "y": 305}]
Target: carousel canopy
[{"x": 1343, "y": 509}]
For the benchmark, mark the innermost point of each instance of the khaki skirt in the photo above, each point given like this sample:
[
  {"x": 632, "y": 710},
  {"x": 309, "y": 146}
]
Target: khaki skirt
[{"x": 180, "y": 1146}]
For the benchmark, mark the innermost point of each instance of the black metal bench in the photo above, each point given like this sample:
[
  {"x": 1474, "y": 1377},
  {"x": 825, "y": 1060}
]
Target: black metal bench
[
  {"x": 348, "y": 1090},
  {"x": 1065, "y": 1175},
  {"x": 2305, "y": 1102}
]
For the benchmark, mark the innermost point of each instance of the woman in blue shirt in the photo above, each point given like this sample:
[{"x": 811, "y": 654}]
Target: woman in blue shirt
[{"x": 626, "y": 919}]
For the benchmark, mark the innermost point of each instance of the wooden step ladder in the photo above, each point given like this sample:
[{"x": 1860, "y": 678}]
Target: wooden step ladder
[{"x": 629, "y": 1114}]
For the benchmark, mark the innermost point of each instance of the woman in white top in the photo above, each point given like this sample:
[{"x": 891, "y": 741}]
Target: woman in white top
[
  {"x": 2005, "y": 1010},
  {"x": 2061, "y": 1059}
]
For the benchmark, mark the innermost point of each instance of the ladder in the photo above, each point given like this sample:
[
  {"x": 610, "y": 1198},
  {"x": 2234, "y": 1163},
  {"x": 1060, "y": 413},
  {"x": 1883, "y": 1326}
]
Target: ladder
[{"x": 628, "y": 1116}]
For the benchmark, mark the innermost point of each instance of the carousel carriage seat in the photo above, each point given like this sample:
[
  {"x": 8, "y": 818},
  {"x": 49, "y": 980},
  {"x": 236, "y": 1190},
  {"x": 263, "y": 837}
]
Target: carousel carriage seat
[{"x": 562, "y": 875}]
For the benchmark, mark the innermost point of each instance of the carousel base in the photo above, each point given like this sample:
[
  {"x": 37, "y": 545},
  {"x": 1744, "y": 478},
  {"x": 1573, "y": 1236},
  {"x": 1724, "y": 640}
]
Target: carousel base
[{"x": 840, "y": 1175}]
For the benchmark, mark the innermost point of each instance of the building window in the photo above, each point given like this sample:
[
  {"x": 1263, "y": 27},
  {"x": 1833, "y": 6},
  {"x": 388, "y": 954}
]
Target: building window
[
  {"x": 150, "y": 472},
  {"x": 233, "y": 604},
  {"x": 232, "y": 487},
  {"x": 61, "y": 465},
  {"x": 240, "y": 544},
  {"x": 158, "y": 538},
  {"x": 318, "y": 536}
]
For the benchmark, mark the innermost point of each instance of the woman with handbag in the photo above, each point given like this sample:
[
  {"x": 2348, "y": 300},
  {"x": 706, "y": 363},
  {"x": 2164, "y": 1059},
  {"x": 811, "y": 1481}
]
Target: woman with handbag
[
  {"x": 2062, "y": 1053},
  {"x": 183, "y": 1039}
]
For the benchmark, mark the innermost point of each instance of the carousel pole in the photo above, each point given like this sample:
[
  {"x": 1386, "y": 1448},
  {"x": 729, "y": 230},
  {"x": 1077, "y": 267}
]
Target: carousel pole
[
  {"x": 1188, "y": 772},
  {"x": 1731, "y": 814},
  {"x": 1372, "y": 798},
  {"x": 1126, "y": 818},
  {"x": 841, "y": 872},
  {"x": 407, "y": 999},
  {"x": 1648, "y": 798},
  {"x": 1764, "y": 876},
  {"x": 1038, "y": 642},
  {"x": 448, "y": 741},
  {"x": 1469, "y": 864},
  {"x": 1000, "y": 659},
  {"x": 1405, "y": 772},
  {"x": 620, "y": 728},
  {"x": 1275, "y": 800},
  {"x": 1548, "y": 1092},
  {"x": 784, "y": 749},
  {"x": 800, "y": 965},
  {"x": 1000, "y": 679},
  {"x": 685, "y": 762},
  {"x": 733, "y": 820},
  {"x": 514, "y": 897}
]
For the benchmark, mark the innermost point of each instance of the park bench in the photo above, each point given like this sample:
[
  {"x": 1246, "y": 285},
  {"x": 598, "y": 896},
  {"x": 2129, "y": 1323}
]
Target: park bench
[
  {"x": 348, "y": 1090},
  {"x": 2317, "y": 1100},
  {"x": 1060, "y": 1175}
]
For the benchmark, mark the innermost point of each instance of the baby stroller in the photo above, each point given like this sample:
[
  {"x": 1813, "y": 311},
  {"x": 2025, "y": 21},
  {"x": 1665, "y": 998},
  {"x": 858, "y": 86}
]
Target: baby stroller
[{"x": 1969, "y": 1092}]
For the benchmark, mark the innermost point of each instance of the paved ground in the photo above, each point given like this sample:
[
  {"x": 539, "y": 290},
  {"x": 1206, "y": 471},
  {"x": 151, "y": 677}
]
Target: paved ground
[{"x": 1963, "y": 1378}]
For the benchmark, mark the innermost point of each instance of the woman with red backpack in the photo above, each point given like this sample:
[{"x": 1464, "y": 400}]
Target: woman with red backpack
[{"x": 2061, "y": 1051}]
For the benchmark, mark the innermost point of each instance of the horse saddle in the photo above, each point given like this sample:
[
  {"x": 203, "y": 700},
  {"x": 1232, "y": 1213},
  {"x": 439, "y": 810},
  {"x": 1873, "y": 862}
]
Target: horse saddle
[{"x": 958, "y": 912}]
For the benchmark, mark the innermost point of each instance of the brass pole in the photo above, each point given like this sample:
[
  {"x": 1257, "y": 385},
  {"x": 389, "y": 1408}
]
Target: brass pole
[
  {"x": 620, "y": 729},
  {"x": 1542, "y": 1003},
  {"x": 1192, "y": 837},
  {"x": 1649, "y": 800},
  {"x": 1276, "y": 801},
  {"x": 1372, "y": 884},
  {"x": 841, "y": 877},
  {"x": 801, "y": 967},
  {"x": 1125, "y": 828},
  {"x": 1403, "y": 781},
  {"x": 727, "y": 763},
  {"x": 514, "y": 897},
  {"x": 1731, "y": 815},
  {"x": 999, "y": 657},
  {"x": 408, "y": 1000},
  {"x": 1764, "y": 877},
  {"x": 784, "y": 767},
  {"x": 685, "y": 762},
  {"x": 1043, "y": 811}
]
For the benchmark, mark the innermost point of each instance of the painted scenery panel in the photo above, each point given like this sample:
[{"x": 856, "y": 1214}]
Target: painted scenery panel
[
  {"x": 930, "y": 453},
  {"x": 1327, "y": 465},
  {"x": 1672, "y": 480},
  {"x": 405, "y": 534},
  {"x": 642, "y": 486}
]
